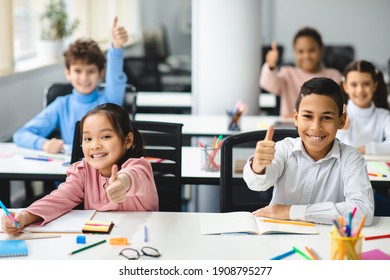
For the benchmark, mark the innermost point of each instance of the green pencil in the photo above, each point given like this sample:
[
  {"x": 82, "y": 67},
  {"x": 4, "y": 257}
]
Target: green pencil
[
  {"x": 301, "y": 253},
  {"x": 87, "y": 247}
]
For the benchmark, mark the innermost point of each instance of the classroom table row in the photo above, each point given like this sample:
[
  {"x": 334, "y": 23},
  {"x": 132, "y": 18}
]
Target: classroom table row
[
  {"x": 15, "y": 164},
  {"x": 215, "y": 125},
  {"x": 177, "y": 236},
  {"x": 181, "y": 102}
]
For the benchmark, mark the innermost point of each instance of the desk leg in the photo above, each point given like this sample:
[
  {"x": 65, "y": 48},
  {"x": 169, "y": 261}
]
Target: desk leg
[{"x": 5, "y": 192}]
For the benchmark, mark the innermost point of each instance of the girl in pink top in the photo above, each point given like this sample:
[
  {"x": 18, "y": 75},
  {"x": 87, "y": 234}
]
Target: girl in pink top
[
  {"x": 287, "y": 81},
  {"x": 108, "y": 141}
]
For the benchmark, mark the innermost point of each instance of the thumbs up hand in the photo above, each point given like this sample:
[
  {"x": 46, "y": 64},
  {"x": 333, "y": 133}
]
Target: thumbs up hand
[
  {"x": 119, "y": 35},
  {"x": 118, "y": 186},
  {"x": 264, "y": 153},
  {"x": 272, "y": 56}
]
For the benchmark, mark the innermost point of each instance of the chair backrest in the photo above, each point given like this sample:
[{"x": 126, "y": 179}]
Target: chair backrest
[
  {"x": 338, "y": 57},
  {"x": 162, "y": 144},
  {"x": 143, "y": 73},
  {"x": 54, "y": 90},
  {"x": 77, "y": 151},
  {"x": 235, "y": 150}
]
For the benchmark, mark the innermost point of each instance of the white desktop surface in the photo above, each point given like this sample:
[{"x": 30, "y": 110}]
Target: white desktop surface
[
  {"x": 191, "y": 166},
  {"x": 177, "y": 237},
  {"x": 13, "y": 164},
  {"x": 211, "y": 125},
  {"x": 184, "y": 99},
  {"x": 12, "y": 161},
  {"x": 164, "y": 99}
]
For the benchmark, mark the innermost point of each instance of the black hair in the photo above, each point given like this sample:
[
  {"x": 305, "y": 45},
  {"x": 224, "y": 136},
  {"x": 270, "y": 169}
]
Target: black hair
[
  {"x": 120, "y": 121},
  {"x": 309, "y": 32},
  {"x": 321, "y": 86},
  {"x": 363, "y": 66}
]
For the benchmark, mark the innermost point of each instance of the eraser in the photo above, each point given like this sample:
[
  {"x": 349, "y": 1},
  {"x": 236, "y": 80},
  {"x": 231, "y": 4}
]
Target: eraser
[
  {"x": 80, "y": 239},
  {"x": 118, "y": 241}
]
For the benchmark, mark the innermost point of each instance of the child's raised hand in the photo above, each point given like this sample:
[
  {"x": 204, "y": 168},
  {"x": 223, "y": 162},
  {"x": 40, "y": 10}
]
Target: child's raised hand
[
  {"x": 9, "y": 226},
  {"x": 264, "y": 153},
  {"x": 118, "y": 186},
  {"x": 53, "y": 146},
  {"x": 119, "y": 35},
  {"x": 272, "y": 56}
]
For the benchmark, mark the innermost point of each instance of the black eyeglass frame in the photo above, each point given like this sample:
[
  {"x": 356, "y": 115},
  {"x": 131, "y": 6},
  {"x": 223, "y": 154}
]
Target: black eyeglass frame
[{"x": 157, "y": 255}]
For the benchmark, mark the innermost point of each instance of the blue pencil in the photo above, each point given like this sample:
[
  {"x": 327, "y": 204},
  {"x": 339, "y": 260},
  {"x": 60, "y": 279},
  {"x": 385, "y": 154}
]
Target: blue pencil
[
  {"x": 8, "y": 214},
  {"x": 282, "y": 256}
]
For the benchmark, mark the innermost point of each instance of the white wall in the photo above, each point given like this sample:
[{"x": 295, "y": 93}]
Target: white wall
[
  {"x": 21, "y": 96},
  {"x": 361, "y": 23}
]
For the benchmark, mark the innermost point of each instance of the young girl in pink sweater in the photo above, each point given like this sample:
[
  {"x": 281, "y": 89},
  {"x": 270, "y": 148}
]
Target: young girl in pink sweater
[
  {"x": 287, "y": 80},
  {"x": 113, "y": 176}
]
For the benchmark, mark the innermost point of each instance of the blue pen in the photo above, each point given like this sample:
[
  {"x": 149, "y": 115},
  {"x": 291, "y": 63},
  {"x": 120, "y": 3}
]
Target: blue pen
[
  {"x": 279, "y": 257},
  {"x": 145, "y": 234},
  {"x": 8, "y": 213},
  {"x": 38, "y": 158}
]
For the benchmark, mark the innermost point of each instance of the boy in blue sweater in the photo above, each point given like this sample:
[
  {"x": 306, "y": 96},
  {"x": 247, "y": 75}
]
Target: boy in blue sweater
[{"x": 85, "y": 69}]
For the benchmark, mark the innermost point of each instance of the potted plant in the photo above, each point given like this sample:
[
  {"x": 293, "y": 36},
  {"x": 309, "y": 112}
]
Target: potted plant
[{"x": 55, "y": 26}]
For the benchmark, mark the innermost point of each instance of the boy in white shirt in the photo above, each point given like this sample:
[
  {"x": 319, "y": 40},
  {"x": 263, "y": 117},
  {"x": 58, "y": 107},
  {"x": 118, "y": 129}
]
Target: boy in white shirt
[{"x": 315, "y": 177}]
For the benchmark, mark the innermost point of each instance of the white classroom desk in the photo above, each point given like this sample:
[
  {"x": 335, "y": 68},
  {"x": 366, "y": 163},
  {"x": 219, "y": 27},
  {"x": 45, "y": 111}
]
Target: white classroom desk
[
  {"x": 177, "y": 237},
  {"x": 152, "y": 99},
  {"x": 164, "y": 99},
  {"x": 211, "y": 125},
  {"x": 13, "y": 166}
]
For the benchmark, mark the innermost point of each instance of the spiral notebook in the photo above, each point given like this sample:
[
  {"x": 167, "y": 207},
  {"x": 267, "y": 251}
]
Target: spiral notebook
[{"x": 13, "y": 248}]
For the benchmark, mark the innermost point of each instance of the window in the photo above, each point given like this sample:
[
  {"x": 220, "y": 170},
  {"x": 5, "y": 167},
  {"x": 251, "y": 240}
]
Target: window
[
  {"x": 25, "y": 21},
  {"x": 22, "y": 18}
]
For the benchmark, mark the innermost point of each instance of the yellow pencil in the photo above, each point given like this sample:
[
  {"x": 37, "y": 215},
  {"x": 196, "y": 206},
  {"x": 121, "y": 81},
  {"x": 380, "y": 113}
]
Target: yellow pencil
[
  {"x": 289, "y": 222},
  {"x": 360, "y": 226}
]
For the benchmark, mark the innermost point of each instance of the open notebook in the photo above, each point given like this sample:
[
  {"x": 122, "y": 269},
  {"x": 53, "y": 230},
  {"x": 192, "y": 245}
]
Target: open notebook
[{"x": 246, "y": 222}]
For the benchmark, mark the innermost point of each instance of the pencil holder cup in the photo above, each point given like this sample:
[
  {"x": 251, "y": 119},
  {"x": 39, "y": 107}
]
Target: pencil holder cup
[
  {"x": 345, "y": 248},
  {"x": 234, "y": 123},
  {"x": 210, "y": 159}
]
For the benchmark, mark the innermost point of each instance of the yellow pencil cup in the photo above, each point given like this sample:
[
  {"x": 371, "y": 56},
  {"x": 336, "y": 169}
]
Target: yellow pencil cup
[{"x": 345, "y": 248}]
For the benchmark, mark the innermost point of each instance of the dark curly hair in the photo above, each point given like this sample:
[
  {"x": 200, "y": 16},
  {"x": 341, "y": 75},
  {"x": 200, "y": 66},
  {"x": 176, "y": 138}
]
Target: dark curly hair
[{"x": 86, "y": 51}]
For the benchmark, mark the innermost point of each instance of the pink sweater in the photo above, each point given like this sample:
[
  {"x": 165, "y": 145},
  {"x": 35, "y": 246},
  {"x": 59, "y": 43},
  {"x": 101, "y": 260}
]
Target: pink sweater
[
  {"x": 85, "y": 184},
  {"x": 287, "y": 83}
]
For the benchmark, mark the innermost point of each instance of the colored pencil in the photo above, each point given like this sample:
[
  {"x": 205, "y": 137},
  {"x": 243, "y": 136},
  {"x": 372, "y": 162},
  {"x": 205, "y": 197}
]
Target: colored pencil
[
  {"x": 301, "y": 253},
  {"x": 284, "y": 255},
  {"x": 87, "y": 247}
]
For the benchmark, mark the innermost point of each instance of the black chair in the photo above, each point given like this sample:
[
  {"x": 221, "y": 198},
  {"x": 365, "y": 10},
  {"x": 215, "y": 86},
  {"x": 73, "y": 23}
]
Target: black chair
[
  {"x": 162, "y": 144},
  {"x": 54, "y": 90},
  {"x": 338, "y": 57},
  {"x": 235, "y": 150},
  {"x": 143, "y": 73},
  {"x": 77, "y": 151}
]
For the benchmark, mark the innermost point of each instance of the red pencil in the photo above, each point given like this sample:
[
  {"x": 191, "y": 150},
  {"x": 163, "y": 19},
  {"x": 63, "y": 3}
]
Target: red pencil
[{"x": 377, "y": 237}]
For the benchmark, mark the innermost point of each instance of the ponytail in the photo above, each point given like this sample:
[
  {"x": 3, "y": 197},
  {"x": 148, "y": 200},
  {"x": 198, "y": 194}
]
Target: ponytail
[{"x": 381, "y": 94}]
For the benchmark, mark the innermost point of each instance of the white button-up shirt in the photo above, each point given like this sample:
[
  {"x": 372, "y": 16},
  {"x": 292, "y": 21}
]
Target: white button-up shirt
[{"x": 317, "y": 191}]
